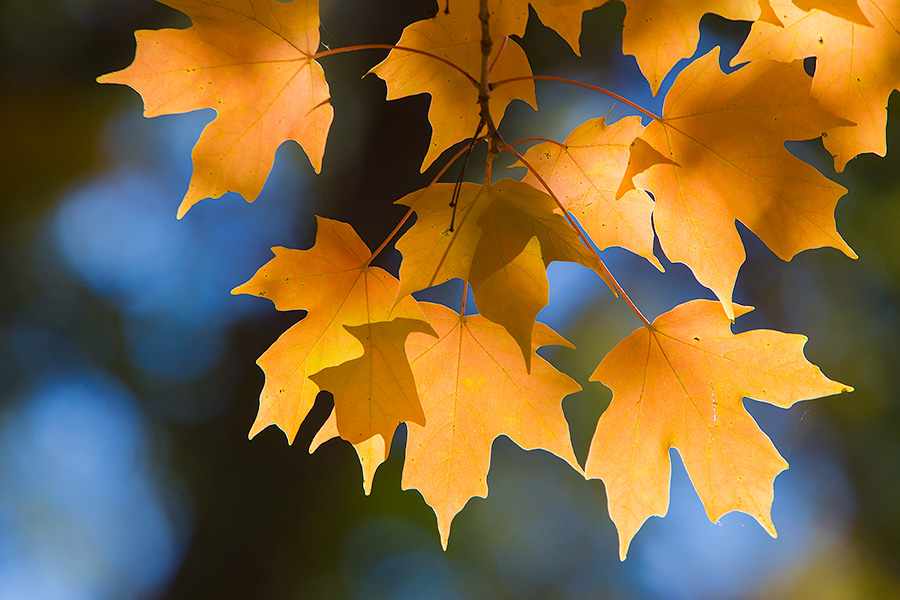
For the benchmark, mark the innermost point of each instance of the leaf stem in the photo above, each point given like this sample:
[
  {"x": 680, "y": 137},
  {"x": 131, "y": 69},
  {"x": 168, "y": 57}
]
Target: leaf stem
[
  {"x": 329, "y": 52},
  {"x": 595, "y": 88},
  {"x": 465, "y": 295}
]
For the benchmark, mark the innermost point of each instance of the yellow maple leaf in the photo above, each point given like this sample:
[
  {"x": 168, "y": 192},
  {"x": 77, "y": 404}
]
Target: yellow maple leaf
[
  {"x": 857, "y": 67},
  {"x": 585, "y": 172},
  {"x": 250, "y": 61},
  {"x": 474, "y": 387},
  {"x": 375, "y": 392},
  {"x": 456, "y": 37},
  {"x": 659, "y": 33},
  {"x": 504, "y": 236},
  {"x": 335, "y": 284},
  {"x": 703, "y": 179},
  {"x": 680, "y": 384}
]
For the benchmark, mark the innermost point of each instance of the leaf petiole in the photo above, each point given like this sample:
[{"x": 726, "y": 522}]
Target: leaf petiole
[
  {"x": 454, "y": 66},
  {"x": 595, "y": 88}
]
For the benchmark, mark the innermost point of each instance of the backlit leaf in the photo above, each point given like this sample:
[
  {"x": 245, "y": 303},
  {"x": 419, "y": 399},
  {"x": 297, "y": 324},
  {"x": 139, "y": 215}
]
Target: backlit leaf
[
  {"x": 250, "y": 61},
  {"x": 335, "y": 284},
  {"x": 857, "y": 68},
  {"x": 680, "y": 384},
  {"x": 718, "y": 156},
  {"x": 585, "y": 173},
  {"x": 456, "y": 37},
  {"x": 474, "y": 388},
  {"x": 504, "y": 236}
]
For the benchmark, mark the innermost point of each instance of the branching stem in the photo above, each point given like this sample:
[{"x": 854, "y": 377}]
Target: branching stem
[{"x": 497, "y": 143}]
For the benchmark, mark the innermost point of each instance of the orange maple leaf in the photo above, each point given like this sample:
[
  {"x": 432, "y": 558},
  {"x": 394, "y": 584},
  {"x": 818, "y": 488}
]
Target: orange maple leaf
[
  {"x": 250, "y": 61},
  {"x": 503, "y": 237},
  {"x": 680, "y": 384},
  {"x": 659, "y": 33},
  {"x": 474, "y": 387},
  {"x": 857, "y": 67},
  {"x": 585, "y": 173},
  {"x": 456, "y": 38},
  {"x": 719, "y": 155},
  {"x": 334, "y": 282},
  {"x": 376, "y": 392}
]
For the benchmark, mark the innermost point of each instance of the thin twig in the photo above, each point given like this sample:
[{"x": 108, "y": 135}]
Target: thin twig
[
  {"x": 392, "y": 47},
  {"x": 595, "y": 88},
  {"x": 465, "y": 295}
]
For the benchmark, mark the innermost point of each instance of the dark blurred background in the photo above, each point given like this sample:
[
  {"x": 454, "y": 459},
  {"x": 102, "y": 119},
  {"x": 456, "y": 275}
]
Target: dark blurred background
[{"x": 129, "y": 382}]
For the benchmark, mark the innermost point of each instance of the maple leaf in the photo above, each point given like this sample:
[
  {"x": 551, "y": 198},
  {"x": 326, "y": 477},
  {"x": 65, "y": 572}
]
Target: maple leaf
[
  {"x": 371, "y": 452},
  {"x": 585, "y": 173},
  {"x": 703, "y": 179},
  {"x": 375, "y": 392},
  {"x": 250, "y": 61},
  {"x": 504, "y": 236},
  {"x": 341, "y": 292},
  {"x": 474, "y": 388},
  {"x": 680, "y": 384},
  {"x": 659, "y": 33},
  {"x": 454, "y": 112},
  {"x": 857, "y": 68}
]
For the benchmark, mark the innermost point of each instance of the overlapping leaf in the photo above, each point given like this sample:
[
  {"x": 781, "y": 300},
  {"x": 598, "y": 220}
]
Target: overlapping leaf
[
  {"x": 456, "y": 38},
  {"x": 376, "y": 392},
  {"x": 857, "y": 67},
  {"x": 503, "y": 237},
  {"x": 249, "y": 60},
  {"x": 474, "y": 388},
  {"x": 680, "y": 384},
  {"x": 659, "y": 33},
  {"x": 343, "y": 296},
  {"x": 585, "y": 173},
  {"x": 719, "y": 155}
]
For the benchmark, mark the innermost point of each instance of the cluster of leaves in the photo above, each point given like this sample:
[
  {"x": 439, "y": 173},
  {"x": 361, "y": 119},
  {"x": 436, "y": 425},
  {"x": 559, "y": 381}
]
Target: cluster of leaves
[{"x": 459, "y": 380}]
